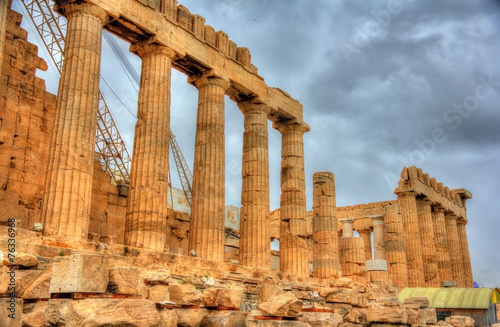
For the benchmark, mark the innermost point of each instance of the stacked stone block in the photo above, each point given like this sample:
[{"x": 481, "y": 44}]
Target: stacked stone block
[
  {"x": 326, "y": 256},
  {"x": 293, "y": 229}
]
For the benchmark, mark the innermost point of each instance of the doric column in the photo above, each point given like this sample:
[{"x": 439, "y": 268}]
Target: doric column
[
  {"x": 255, "y": 250},
  {"x": 395, "y": 248},
  {"x": 326, "y": 256},
  {"x": 68, "y": 186},
  {"x": 206, "y": 232},
  {"x": 454, "y": 248},
  {"x": 428, "y": 246},
  {"x": 347, "y": 227},
  {"x": 378, "y": 237},
  {"x": 147, "y": 204},
  {"x": 441, "y": 243},
  {"x": 365, "y": 235},
  {"x": 464, "y": 246},
  {"x": 293, "y": 233},
  {"x": 413, "y": 242}
]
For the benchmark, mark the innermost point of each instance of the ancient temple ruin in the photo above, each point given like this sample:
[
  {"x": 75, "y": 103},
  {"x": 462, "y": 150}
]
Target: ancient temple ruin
[{"x": 84, "y": 241}]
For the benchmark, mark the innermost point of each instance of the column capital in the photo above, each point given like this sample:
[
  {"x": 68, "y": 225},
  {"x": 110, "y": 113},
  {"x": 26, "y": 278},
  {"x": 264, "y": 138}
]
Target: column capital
[
  {"x": 364, "y": 230},
  {"x": 150, "y": 47},
  {"x": 450, "y": 215},
  {"x": 210, "y": 77},
  {"x": 437, "y": 208},
  {"x": 293, "y": 124},
  {"x": 377, "y": 219},
  {"x": 405, "y": 193},
  {"x": 254, "y": 104},
  {"x": 462, "y": 221},
  {"x": 72, "y": 8}
]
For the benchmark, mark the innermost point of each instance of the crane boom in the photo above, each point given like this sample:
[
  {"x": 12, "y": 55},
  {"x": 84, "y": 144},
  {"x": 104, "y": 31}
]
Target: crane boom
[{"x": 109, "y": 143}]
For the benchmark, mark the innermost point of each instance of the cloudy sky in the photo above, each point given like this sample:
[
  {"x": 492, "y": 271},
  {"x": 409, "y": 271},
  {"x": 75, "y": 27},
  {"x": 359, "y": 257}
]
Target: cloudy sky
[{"x": 384, "y": 84}]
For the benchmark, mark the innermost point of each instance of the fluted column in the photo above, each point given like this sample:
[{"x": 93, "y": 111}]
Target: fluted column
[
  {"x": 255, "y": 250},
  {"x": 206, "y": 232},
  {"x": 68, "y": 186},
  {"x": 464, "y": 246},
  {"x": 454, "y": 248},
  {"x": 365, "y": 235},
  {"x": 326, "y": 256},
  {"x": 428, "y": 246},
  {"x": 441, "y": 243},
  {"x": 395, "y": 248},
  {"x": 293, "y": 233},
  {"x": 413, "y": 242},
  {"x": 147, "y": 204}
]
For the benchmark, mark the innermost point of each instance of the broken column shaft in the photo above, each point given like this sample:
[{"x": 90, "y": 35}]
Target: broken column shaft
[
  {"x": 147, "y": 201},
  {"x": 326, "y": 255},
  {"x": 255, "y": 248},
  {"x": 293, "y": 233},
  {"x": 206, "y": 232},
  {"x": 68, "y": 186}
]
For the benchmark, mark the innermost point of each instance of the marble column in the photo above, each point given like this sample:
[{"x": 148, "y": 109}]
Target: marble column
[
  {"x": 206, "y": 232},
  {"x": 464, "y": 246},
  {"x": 413, "y": 240},
  {"x": 147, "y": 203},
  {"x": 378, "y": 237},
  {"x": 428, "y": 245},
  {"x": 68, "y": 184},
  {"x": 395, "y": 248},
  {"x": 365, "y": 235},
  {"x": 326, "y": 256},
  {"x": 347, "y": 227},
  {"x": 454, "y": 248},
  {"x": 255, "y": 248},
  {"x": 441, "y": 244},
  {"x": 293, "y": 232}
]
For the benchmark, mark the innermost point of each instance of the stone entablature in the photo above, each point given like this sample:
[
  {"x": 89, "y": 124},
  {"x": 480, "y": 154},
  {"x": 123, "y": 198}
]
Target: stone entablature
[
  {"x": 198, "y": 46},
  {"x": 413, "y": 179}
]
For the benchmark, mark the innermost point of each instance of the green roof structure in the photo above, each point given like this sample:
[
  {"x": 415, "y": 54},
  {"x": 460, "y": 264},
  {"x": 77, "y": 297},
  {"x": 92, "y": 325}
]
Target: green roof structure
[{"x": 454, "y": 298}]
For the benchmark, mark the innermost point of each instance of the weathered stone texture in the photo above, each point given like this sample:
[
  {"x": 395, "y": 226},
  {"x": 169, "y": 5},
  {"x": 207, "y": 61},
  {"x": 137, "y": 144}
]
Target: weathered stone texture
[
  {"x": 185, "y": 294},
  {"x": 326, "y": 254},
  {"x": 206, "y": 233},
  {"x": 441, "y": 243},
  {"x": 80, "y": 273},
  {"x": 454, "y": 249},
  {"x": 282, "y": 305},
  {"x": 254, "y": 216},
  {"x": 68, "y": 186},
  {"x": 413, "y": 238},
  {"x": 223, "y": 297},
  {"x": 464, "y": 250},
  {"x": 293, "y": 234},
  {"x": 460, "y": 321},
  {"x": 426, "y": 225},
  {"x": 147, "y": 201}
]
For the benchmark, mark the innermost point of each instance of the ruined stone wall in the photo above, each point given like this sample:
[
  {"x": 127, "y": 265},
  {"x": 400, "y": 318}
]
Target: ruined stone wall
[
  {"x": 26, "y": 122},
  {"x": 26, "y": 115}
]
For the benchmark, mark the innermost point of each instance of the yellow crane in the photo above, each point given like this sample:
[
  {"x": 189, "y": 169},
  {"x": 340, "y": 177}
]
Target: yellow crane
[{"x": 115, "y": 157}]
